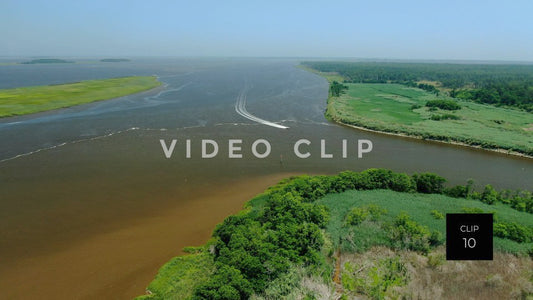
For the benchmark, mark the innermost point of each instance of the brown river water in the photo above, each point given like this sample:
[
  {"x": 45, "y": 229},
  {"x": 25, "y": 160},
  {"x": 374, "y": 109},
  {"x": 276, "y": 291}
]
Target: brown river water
[{"x": 90, "y": 207}]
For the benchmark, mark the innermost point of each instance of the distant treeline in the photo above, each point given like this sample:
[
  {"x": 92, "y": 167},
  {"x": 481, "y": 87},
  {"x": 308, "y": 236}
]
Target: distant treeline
[
  {"x": 47, "y": 61},
  {"x": 519, "y": 94},
  {"x": 63, "y": 61},
  {"x": 508, "y": 85},
  {"x": 114, "y": 60}
]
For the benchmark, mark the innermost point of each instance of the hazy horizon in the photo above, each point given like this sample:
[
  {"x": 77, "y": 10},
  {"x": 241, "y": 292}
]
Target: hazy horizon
[{"x": 384, "y": 30}]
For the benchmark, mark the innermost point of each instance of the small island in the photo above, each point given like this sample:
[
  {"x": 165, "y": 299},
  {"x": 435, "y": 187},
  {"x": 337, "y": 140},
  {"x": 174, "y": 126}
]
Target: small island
[
  {"x": 47, "y": 61},
  {"x": 114, "y": 60},
  {"x": 28, "y": 100}
]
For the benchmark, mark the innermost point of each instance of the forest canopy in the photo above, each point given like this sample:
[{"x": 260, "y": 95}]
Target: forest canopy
[{"x": 496, "y": 84}]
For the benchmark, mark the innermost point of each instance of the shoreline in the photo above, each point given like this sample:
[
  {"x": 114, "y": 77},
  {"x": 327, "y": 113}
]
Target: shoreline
[
  {"x": 131, "y": 271},
  {"x": 333, "y": 118},
  {"x": 497, "y": 150},
  {"x": 29, "y": 116},
  {"x": 159, "y": 84}
]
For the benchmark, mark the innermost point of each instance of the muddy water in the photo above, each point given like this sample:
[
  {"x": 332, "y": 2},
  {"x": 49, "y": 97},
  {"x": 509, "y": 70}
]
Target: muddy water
[{"x": 91, "y": 208}]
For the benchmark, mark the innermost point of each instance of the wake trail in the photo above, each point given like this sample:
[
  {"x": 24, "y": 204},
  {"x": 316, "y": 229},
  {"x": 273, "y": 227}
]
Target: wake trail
[{"x": 240, "y": 108}]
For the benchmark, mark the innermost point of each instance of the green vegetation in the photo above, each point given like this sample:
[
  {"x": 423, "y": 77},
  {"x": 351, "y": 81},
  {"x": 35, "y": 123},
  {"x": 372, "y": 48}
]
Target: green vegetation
[
  {"x": 445, "y": 117},
  {"x": 336, "y": 89},
  {"x": 444, "y": 104},
  {"x": 251, "y": 250},
  {"x": 178, "y": 278},
  {"x": 378, "y": 278},
  {"x": 502, "y": 85},
  {"x": 399, "y": 109},
  {"x": 359, "y": 214},
  {"x": 429, "y": 183},
  {"x": 416, "y": 214},
  {"x": 27, "y": 100},
  {"x": 513, "y": 231},
  {"x": 282, "y": 244},
  {"x": 406, "y": 233},
  {"x": 47, "y": 61},
  {"x": 381, "y": 273},
  {"x": 114, "y": 60},
  {"x": 437, "y": 214}
]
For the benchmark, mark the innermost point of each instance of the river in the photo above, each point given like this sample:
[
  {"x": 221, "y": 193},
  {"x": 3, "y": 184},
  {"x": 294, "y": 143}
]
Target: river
[{"x": 90, "y": 207}]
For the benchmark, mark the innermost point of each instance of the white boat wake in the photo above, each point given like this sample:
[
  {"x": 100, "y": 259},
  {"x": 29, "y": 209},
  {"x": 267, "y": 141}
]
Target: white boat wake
[{"x": 240, "y": 108}]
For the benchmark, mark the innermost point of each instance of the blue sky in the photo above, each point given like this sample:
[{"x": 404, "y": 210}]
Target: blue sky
[{"x": 467, "y": 29}]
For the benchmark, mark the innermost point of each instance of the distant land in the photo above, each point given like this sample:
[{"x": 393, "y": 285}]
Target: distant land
[
  {"x": 483, "y": 106},
  {"x": 47, "y": 61},
  {"x": 28, "y": 100},
  {"x": 114, "y": 60}
]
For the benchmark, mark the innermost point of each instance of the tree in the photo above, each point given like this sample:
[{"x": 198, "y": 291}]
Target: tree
[
  {"x": 489, "y": 195},
  {"x": 429, "y": 183}
]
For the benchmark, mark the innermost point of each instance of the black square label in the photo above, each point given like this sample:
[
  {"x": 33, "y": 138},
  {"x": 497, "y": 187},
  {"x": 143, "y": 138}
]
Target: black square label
[{"x": 469, "y": 237}]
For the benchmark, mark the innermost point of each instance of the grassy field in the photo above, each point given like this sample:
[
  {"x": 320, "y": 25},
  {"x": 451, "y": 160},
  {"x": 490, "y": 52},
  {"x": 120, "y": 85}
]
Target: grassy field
[
  {"x": 419, "y": 207},
  {"x": 399, "y": 109},
  {"x": 27, "y": 100}
]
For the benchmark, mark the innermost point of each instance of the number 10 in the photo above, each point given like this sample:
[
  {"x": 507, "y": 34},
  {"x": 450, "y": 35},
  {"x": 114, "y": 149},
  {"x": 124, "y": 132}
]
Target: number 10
[{"x": 470, "y": 243}]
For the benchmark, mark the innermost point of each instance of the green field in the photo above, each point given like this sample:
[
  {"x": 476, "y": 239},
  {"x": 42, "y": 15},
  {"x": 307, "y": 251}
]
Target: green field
[
  {"x": 419, "y": 207},
  {"x": 27, "y": 100},
  {"x": 394, "y": 108}
]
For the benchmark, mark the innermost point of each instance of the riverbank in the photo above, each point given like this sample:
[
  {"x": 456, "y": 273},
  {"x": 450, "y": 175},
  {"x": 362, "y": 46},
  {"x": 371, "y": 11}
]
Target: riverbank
[
  {"x": 28, "y": 100},
  {"x": 401, "y": 111},
  {"x": 502, "y": 151},
  {"x": 290, "y": 241}
]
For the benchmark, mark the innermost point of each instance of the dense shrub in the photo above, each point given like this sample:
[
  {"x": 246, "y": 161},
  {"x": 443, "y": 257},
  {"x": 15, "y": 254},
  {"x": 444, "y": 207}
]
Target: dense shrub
[
  {"x": 251, "y": 250},
  {"x": 378, "y": 279},
  {"x": 513, "y": 231},
  {"x": 429, "y": 183},
  {"x": 356, "y": 216},
  {"x": 444, "y": 117},
  {"x": 521, "y": 201},
  {"x": 436, "y": 214},
  {"x": 336, "y": 89},
  {"x": 458, "y": 191},
  {"x": 402, "y": 182},
  {"x": 444, "y": 104},
  {"x": 227, "y": 284},
  {"x": 375, "y": 211},
  {"x": 408, "y": 234},
  {"x": 359, "y": 214},
  {"x": 489, "y": 195}
]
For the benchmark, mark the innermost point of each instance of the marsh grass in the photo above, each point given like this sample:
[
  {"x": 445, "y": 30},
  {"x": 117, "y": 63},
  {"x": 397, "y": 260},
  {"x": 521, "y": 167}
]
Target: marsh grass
[
  {"x": 419, "y": 207},
  {"x": 27, "y": 100},
  {"x": 178, "y": 278},
  {"x": 399, "y": 109},
  {"x": 432, "y": 277}
]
